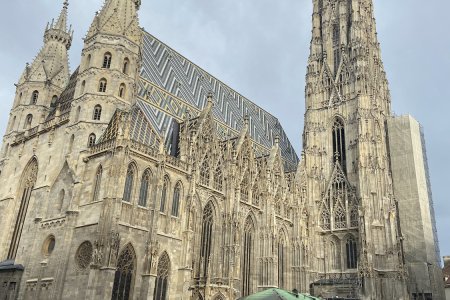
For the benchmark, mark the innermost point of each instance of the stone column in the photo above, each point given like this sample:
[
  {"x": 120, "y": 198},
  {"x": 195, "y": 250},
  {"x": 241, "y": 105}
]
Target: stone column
[
  {"x": 148, "y": 286},
  {"x": 100, "y": 284}
]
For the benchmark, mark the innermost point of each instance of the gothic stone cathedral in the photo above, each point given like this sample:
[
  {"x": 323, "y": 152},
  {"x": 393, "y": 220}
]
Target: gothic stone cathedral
[{"x": 141, "y": 176}]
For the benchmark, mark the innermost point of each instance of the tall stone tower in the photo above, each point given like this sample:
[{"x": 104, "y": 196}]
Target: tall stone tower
[
  {"x": 350, "y": 194},
  {"x": 42, "y": 81},
  {"x": 109, "y": 69}
]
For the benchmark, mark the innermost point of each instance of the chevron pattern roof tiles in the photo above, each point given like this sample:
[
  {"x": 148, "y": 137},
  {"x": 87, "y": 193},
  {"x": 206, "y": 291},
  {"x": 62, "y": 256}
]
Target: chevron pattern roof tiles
[{"x": 183, "y": 87}]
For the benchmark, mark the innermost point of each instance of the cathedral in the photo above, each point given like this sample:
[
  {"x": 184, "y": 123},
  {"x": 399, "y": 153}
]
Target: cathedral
[{"x": 139, "y": 175}]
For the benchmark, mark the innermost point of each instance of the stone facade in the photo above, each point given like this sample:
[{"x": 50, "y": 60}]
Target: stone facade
[{"x": 141, "y": 176}]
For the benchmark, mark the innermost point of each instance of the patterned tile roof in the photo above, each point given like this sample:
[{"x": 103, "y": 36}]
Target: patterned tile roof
[{"x": 172, "y": 87}]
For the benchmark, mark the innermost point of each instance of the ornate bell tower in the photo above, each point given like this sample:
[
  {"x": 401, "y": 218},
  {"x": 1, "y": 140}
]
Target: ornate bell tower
[
  {"x": 109, "y": 68},
  {"x": 42, "y": 81},
  {"x": 356, "y": 247}
]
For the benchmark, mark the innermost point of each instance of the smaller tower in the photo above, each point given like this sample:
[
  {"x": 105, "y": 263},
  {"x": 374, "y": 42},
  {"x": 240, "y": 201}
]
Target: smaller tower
[
  {"x": 109, "y": 67},
  {"x": 42, "y": 81}
]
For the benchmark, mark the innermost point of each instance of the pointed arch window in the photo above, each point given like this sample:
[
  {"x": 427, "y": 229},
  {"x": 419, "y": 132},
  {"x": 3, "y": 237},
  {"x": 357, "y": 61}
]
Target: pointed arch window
[
  {"x": 162, "y": 278},
  {"x": 124, "y": 276},
  {"x": 206, "y": 239},
  {"x": 126, "y": 65},
  {"x": 54, "y": 100},
  {"x": 28, "y": 181},
  {"x": 122, "y": 90},
  {"x": 107, "y": 58},
  {"x": 247, "y": 263},
  {"x": 34, "y": 97},
  {"x": 339, "y": 152},
  {"x": 354, "y": 216},
  {"x": 352, "y": 255},
  {"x": 91, "y": 140},
  {"x": 218, "y": 178},
  {"x": 97, "y": 114},
  {"x": 102, "y": 85},
  {"x": 28, "y": 121},
  {"x": 162, "y": 207},
  {"x": 176, "y": 200},
  {"x": 255, "y": 196},
  {"x": 340, "y": 221},
  {"x": 336, "y": 34},
  {"x": 325, "y": 220},
  {"x": 97, "y": 184},
  {"x": 88, "y": 61},
  {"x": 145, "y": 185},
  {"x": 244, "y": 188},
  {"x": 129, "y": 182},
  {"x": 204, "y": 171},
  {"x": 337, "y": 53},
  {"x": 335, "y": 255}
]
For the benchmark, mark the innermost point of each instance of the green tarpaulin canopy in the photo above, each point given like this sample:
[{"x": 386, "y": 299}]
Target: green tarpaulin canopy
[{"x": 277, "y": 294}]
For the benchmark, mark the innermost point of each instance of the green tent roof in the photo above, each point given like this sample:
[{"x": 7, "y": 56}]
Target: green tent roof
[{"x": 277, "y": 294}]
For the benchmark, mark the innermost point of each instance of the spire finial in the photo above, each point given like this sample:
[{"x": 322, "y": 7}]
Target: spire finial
[{"x": 61, "y": 23}]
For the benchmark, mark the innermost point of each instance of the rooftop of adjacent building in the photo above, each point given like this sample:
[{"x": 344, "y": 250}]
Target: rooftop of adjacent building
[{"x": 446, "y": 271}]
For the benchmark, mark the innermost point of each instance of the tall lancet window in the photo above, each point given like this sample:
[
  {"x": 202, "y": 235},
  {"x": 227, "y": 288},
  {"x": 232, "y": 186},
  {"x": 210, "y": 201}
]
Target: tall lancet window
[
  {"x": 145, "y": 185},
  {"x": 336, "y": 47},
  {"x": 204, "y": 172},
  {"x": 352, "y": 254},
  {"x": 26, "y": 187},
  {"x": 176, "y": 200},
  {"x": 247, "y": 263},
  {"x": 107, "y": 60},
  {"x": 162, "y": 204},
  {"x": 129, "y": 181},
  {"x": 339, "y": 143},
  {"x": 207, "y": 236},
  {"x": 162, "y": 277},
  {"x": 124, "y": 276}
]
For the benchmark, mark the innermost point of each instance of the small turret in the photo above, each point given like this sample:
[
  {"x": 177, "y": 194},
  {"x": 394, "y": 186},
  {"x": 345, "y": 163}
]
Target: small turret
[{"x": 58, "y": 31}]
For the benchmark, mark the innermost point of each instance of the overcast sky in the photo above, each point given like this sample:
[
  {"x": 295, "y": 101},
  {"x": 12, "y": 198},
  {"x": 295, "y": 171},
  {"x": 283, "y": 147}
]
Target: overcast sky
[{"x": 260, "y": 48}]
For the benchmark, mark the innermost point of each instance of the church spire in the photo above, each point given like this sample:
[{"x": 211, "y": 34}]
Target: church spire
[
  {"x": 51, "y": 65},
  {"x": 117, "y": 17},
  {"x": 58, "y": 31},
  {"x": 345, "y": 58},
  {"x": 61, "y": 24}
]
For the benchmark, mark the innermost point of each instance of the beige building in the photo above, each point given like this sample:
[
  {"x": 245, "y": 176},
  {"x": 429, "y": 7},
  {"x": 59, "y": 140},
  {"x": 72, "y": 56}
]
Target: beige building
[
  {"x": 141, "y": 176},
  {"x": 446, "y": 273}
]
